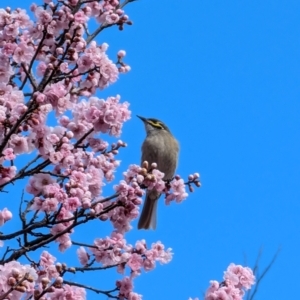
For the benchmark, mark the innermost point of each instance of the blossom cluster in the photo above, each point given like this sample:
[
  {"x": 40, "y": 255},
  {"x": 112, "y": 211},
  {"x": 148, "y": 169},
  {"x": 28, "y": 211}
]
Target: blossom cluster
[
  {"x": 45, "y": 278},
  {"x": 16, "y": 279},
  {"x": 57, "y": 60},
  {"x": 151, "y": 178},
  {"x": 113, "y": 251},
  {"x": 237, "y": 279}
]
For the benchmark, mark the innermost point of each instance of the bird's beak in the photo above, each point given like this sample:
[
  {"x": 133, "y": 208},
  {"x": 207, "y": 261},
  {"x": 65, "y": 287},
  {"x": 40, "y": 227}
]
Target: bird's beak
[{"x": 142, "y": 118}]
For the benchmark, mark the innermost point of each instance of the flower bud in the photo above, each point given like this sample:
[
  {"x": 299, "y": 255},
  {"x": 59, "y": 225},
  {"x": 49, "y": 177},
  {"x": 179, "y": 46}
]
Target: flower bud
[
  {"x": 45, "y": 282},
  {"x": 191, "y": 177},
  {"x": 50, "y": 67},
  {"x": 59, "y": 51},
  {"x": 197, "y": 183},
  {"x": 58, "y": 267},
  {"x": 15, "y": 272},
  {"x": 121, "y": 69},
  {"x": 145, "y": 164},
  {"x": 191, "y": 188},
  {"x": 21, "y": 289},
  {"x": 121, "y": 54},
  {"x": 153, "y": 165},
  {"x": 11, "y": 281},
  {"x": 30, "y": 278},
  {"x": 127, "y": 68},
  {"x": 103, "y": 217},
  {"x": 143, "y": 172}
]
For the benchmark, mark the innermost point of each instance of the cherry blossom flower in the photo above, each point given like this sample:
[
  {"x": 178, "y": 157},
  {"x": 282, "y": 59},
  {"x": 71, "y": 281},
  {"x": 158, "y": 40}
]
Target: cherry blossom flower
[
  {"x": 82, "y": 256},
  {"x": 9, "y": 154},
  {"x": 5, "y": 215}
]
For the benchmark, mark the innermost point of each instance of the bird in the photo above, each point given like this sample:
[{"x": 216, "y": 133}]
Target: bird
[{"x": 159, "y": 147}]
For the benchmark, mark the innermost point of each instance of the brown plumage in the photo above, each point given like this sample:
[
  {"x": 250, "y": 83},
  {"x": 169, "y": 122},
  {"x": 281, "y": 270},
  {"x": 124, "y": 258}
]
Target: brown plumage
[{"x": 162, "y": 148}]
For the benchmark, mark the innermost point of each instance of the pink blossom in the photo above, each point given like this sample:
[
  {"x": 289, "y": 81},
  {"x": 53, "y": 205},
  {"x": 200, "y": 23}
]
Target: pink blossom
[
  {"x": 134, "y": 296},
  {"x": 41, "y": 68},
  {"x": 11, "y": 31},
  {"x": 37, "y": 204},
  {"x": 9, "y": 48},
  {"x": 57, "y": 96},
  {"x": 23, "y": 53},
  {"x": 85, "y": 63},
  {"x": 97, "y": 144},
  {"x": 64, "y": 67},
  {"x": 43, "y": 16},
  {"x": 38, "y": 182},
  {"x": 22, "y": 18},
  {"x": 125, "y": 286},
  {"x": 239, "y": 276},
  {"x": 95, "y": 180},
  {"x": 140, "y": 246},
  {"x": 112, "y": 18},
  {"x": 68, "y": 292},
  {"x": 49, "y": 205},
  {"x": 64, "y": 242},
  {"x": 149, "y": 264},
  {"x": 121, "y": 53},
  {"x": 7, "y": 173},
  {"x": 5, "y": 18},
  {"x": 178, "y": 191},
  {"x": 82, "y": 256},
  {"x": 5, "y": 215},
  {"x": 117, "y": 239},
  {"x": 9, "y": 154},
  {"x": 80, "y": 17},
  {"x": 72, "y": 203},
  {"x": 19, "y": 144},
  {"x": 132, "y": 172},
  {"x": 135, "y": 262},
  {"x": 109, "y": 74},
  {"x": 155, "y": 181},
  {"x": 5, "y": 69},
  {"x": 17, "y": 97},
  {"x": 55, "y": 157},
  {"x": 46, "y": 259}
]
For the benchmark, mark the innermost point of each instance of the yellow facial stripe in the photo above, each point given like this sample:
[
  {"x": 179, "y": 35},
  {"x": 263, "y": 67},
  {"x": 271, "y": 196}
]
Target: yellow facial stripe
[{"x": 156, "y": 124}]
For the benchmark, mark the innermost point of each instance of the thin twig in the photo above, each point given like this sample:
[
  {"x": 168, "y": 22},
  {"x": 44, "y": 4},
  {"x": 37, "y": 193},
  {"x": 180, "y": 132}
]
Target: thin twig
[
  {"x": 250, "y": 296},
  {"x": 107, "y": 293}
]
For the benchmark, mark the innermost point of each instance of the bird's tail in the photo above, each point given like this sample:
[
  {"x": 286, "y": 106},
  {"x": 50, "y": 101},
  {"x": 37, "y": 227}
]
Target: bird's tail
[{"x": 148, "y": 216}]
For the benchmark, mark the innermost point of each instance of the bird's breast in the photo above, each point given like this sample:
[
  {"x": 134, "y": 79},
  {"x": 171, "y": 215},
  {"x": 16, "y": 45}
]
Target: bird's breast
[{"x": 162, "y": 150}]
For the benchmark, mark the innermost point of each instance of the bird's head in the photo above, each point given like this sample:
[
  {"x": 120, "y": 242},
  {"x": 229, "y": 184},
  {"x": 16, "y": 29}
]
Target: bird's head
[{"x": 152, "y": 125}]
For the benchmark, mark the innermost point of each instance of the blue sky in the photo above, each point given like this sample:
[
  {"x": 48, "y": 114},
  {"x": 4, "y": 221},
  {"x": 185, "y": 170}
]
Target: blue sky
[{"x": 224, "y": 76}]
